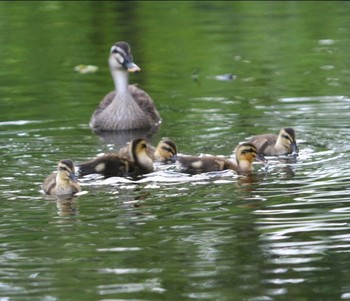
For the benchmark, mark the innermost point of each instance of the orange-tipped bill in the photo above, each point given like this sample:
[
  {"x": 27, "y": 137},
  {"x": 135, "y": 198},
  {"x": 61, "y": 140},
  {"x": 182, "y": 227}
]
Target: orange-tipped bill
[{"x": 132, "y": 67}]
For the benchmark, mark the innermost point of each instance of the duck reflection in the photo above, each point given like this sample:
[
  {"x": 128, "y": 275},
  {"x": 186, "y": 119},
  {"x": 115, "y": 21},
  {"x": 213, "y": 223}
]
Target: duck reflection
[
  {"x": 121, "y": 138},
  {"x": 67, "y": 207},
  {"x": 284, "y": 166}
]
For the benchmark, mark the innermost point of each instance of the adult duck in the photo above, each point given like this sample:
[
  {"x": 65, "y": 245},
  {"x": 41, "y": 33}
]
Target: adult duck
[{"x": 127, "y": 107}]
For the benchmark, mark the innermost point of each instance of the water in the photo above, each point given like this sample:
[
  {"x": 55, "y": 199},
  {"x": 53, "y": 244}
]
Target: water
[{"x": 282, "y": 234}]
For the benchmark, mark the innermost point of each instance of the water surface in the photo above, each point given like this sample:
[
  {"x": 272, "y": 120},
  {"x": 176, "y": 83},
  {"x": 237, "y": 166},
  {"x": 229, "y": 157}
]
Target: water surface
[{"x": 282, "y": 234}]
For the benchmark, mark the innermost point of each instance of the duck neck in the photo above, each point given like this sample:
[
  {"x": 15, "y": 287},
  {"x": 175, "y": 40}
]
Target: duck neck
[
  {"x": 60, "y": 181},
  {"x": 280, "y": 145},
  {"x": 245, "y": 165},
  {"x": 121, "y": 80},
  {"x": 143, "y": 161}
]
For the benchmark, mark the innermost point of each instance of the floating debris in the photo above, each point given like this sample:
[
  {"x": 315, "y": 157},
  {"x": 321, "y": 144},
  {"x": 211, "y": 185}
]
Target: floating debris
[
  {"x": 228, "y": 76},
  {"x": 83, "y": 69},
  {"x": 327, "y": 67},
  {"x": 326, "y": 42},
  {"x": 195, "y": 76}
]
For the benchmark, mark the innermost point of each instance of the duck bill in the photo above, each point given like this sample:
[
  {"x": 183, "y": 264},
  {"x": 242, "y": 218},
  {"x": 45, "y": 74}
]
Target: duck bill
[
  {"x": 173, "y": 159},
  {"x": 131, "y": 66},
  {"x": 295, "y": 149},
  {"x": 73, "y": 177},
  {"x": 261, "y": 158}
]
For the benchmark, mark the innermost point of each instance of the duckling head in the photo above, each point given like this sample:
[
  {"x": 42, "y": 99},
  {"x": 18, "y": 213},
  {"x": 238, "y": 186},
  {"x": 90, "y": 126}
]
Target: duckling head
[
  {"x": 246, "y": 154},
  {"x": 286, "y": 138},
  {"x": 166, "y": 151},
  {"x": 138, "y": 153},
  {"x": 66, "y": 171},
  {"x": 121, "y": 58}
]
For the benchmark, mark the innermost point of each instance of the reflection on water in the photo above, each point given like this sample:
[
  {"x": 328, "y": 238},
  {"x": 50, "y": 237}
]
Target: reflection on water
[{"x": 119, "y": 139}]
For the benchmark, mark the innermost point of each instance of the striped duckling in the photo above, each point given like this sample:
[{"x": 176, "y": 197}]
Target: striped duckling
[
  {"x": 64, "y": 182},
  {"x": 164, "y": 152},
  {"x": 127, "y": 107},
  {"x": 276, "y": 145},
  {"x": 246, "y": 154},
  {"x": 116, "y": 165}
]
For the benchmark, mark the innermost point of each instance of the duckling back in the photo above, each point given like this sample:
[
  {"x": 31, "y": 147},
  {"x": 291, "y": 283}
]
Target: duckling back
[
  {"x": 195, "y": 165},
  {"x": 109, "y": 165},
  {"x": 115, "y": 165},
  {"x": 245, "y": 154}
]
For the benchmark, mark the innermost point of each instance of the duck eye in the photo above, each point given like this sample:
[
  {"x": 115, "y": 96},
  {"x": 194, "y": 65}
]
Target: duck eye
[{"x": 286, "y": 137}]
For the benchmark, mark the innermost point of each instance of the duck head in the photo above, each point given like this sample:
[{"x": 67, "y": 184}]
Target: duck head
[
  {"x": 286, "y": 138},
  {"x": 121, "y": 58},
  {"x": 66, "y": 171},
  {"x": 166, "y": 151},
  {"x": 246, "y": 154}
]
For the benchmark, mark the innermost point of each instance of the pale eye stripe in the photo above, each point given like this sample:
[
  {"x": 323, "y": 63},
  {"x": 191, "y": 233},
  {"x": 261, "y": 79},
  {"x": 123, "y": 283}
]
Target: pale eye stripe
[{"x": 116, "y": 49}]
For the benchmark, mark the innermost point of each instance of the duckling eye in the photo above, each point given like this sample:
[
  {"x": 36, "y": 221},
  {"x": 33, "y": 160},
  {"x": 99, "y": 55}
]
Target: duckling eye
[
  {"x": 249, "y": 150},
  {"x": 168, "y": 149},
  {"x": 286, "y": 137},
  {"x": 63, "y": 169}
]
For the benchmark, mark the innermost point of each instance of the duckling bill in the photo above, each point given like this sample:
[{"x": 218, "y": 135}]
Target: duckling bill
[
  {"x": 64, "y": 182},
  {"x": 115, "y": 165},
  {"x": 276, "y": 145},
  {"x": 246, "y": 154}
]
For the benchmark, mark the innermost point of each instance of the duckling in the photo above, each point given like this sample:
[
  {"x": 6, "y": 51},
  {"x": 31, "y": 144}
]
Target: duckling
[
  {"x": 165, "y": 152},
  {"x": 64, "y": 182},
  {"x": 276, "y": 145},
  {"x": 115, "y": 165},
  {"x": 128, "y": 107},
  {"x": 245, "y": 153}
]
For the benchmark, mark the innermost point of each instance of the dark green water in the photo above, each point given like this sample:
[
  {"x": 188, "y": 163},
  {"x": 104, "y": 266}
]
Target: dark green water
[{"x": 281, "y": 235}]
